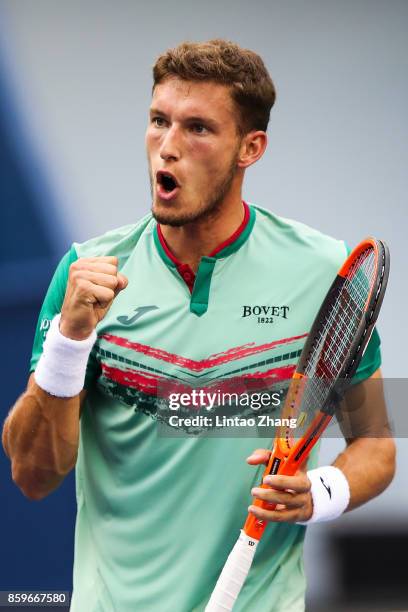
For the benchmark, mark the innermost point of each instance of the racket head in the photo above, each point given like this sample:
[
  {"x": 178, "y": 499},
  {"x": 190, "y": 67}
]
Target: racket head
[{"x": 338, "y": 337}]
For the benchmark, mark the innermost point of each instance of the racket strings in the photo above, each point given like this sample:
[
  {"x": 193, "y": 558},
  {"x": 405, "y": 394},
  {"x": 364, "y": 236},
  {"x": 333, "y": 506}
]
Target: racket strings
[{"x": 337, "y": 332}]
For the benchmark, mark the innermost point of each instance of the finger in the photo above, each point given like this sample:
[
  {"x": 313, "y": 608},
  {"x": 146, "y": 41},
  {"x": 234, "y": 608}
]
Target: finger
[
  {"x": 83, "y": 264},
  {"x": 299, "y": 483},
  {"x": 123, "y": 281},
  {"x": 110, "y": 259},
  {"x": 276, "y": 516},
  {"x": 97, "y": 278},
  {"x": 289, "y": 500},
  {"x": 100, "y": 296},
  {"x": 260, "y": 455}
]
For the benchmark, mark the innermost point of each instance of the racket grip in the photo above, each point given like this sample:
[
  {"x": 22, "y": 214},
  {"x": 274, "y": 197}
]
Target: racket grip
[
  {"x": 233, "y": 575},
  {"x": 254, "y": 527}
]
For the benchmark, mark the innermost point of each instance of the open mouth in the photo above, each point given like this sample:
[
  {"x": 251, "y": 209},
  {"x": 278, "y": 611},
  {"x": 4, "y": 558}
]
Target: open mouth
[{"x": 167, "y": 181}]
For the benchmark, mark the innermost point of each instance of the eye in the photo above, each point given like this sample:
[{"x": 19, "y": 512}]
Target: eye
[
  {"x": 198, "y": 128},
  {"x": 158, "y": 122}
]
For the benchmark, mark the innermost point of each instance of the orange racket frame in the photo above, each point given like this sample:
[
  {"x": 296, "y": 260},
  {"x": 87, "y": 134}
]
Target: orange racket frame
[{"x": 288, "y": 455}]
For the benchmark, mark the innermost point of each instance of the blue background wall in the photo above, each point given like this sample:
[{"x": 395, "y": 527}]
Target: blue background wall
[{"x": 36, "y": 538}]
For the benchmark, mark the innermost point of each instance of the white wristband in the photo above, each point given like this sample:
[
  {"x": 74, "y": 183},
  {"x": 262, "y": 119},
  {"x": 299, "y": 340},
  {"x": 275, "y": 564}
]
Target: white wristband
[
  {"x": 330, "y": 493},
  {"x": 62, "y": 365}
]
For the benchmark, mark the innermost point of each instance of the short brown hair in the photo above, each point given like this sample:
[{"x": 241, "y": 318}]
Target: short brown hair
[{"x": 229, "y": 64}]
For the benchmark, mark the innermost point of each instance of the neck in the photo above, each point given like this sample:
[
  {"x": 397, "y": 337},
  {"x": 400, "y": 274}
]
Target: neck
[{"x": 194, "y": 240}]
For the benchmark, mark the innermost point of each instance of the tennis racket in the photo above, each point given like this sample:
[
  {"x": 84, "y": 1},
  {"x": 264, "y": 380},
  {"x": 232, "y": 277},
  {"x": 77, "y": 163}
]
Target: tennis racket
[{"x": 329, "y": 359}]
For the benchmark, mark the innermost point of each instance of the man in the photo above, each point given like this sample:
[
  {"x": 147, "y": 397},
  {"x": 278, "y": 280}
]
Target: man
[{"x": 174, "y": 300}]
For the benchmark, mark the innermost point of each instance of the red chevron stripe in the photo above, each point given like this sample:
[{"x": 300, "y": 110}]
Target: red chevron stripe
[
  {"x": 155, "y": 385},
  {"x": 198, "y": 365}
]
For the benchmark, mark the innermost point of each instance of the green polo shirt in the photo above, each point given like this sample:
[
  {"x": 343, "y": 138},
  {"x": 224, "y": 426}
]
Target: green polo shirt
[{"x": 157, "y": 516}]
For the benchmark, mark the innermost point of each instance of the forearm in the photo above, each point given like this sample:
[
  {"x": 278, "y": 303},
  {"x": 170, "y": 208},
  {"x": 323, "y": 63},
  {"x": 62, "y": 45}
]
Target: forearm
[
  {"x": 40, "y": 437},
  {"x": 369, "y": 466}
]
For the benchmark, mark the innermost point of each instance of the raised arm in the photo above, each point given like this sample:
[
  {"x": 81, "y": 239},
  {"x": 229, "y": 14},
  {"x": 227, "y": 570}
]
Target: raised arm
[{"x": 41, "y": 433}]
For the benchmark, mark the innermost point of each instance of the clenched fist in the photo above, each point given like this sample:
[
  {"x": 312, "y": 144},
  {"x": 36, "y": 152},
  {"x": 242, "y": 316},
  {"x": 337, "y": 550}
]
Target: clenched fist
[{"x": 93, "y": 284}]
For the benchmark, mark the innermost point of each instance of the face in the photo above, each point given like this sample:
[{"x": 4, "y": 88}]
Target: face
[{"x": 192, "y": 146}]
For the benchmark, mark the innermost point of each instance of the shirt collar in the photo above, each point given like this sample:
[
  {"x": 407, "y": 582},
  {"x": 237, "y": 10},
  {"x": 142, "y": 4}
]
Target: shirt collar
[{"x": 226, "y": 248}]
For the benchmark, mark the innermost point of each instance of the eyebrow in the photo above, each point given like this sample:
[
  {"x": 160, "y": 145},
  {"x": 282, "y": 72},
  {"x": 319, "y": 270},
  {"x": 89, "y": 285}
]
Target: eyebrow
[
  {"x": 156, "y": 111},
  {"x": 191, "y": 119}
]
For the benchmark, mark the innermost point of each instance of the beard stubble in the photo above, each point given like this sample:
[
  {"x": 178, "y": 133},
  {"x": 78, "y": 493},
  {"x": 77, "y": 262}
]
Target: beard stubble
[{"x": 211, "y": 207}]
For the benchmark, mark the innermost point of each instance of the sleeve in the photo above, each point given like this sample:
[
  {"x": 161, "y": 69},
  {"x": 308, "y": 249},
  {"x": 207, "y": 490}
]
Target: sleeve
[
  {"x": 51, "y": 306},
  {"x": 371, "y": 360}
]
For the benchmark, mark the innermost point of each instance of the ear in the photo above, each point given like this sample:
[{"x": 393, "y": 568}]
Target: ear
[{"x": 252, "y": 148}]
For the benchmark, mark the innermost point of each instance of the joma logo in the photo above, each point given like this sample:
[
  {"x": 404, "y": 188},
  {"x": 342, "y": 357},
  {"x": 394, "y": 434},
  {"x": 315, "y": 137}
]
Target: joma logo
[{"x": 139, "y": 312}]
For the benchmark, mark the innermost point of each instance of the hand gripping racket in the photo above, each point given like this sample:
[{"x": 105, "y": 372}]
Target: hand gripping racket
[{"x": 329, "y": 359}]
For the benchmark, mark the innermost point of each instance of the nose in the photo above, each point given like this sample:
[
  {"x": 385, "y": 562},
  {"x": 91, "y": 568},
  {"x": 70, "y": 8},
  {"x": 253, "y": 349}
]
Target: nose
[{"x": 170, "y": 145}]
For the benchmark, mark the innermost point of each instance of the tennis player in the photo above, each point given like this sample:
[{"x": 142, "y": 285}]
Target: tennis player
[{"x": 206, "y": 289}]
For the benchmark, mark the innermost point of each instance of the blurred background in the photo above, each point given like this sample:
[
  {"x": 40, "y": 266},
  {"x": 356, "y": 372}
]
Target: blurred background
[{"x": 75, "y": 83}]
